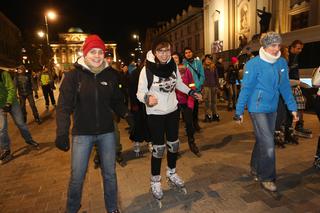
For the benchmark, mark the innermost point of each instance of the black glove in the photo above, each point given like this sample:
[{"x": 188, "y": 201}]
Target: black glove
[
  {"x": 62, "y": 142},
  {"x": 130, "y": 121},
  {"x": 7, "y": 107}
]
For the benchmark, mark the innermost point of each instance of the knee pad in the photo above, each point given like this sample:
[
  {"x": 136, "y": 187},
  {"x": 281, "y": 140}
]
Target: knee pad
[
  {"x": 173, "y": 146},
  {"x": 158, "y": 150}
]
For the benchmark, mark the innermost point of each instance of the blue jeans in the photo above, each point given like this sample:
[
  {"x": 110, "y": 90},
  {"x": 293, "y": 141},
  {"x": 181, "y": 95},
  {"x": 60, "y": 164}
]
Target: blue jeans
[
  {"x": 81, "y": 149},
  {"x": 17, "y": 117},
  {"x": 263, "y": 160}
]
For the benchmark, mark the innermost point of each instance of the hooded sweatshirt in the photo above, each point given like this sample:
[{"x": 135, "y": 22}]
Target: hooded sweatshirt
[{"x": 166, "y": 78}]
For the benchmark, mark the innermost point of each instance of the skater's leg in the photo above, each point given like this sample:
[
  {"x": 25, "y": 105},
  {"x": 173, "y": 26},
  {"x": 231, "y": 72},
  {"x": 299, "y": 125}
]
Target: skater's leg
[
  {"x": 172, "y": 130},
  {"x": 80, "y": 154},
  {"x": 22, "y": 126},
  {"x": 264, "y": 124},
  {"x": 4, "y": 136},
  {"x": 156, "y": 127},
  {"x": 106, "y": 147}
]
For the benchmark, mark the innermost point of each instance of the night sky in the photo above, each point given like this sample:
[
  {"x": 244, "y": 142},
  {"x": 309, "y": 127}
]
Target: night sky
[{"x": 114, "y": 20}]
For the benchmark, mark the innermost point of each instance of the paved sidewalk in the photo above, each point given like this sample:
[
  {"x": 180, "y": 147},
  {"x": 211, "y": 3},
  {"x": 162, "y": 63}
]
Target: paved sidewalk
[{"x": 36, "y": 180}]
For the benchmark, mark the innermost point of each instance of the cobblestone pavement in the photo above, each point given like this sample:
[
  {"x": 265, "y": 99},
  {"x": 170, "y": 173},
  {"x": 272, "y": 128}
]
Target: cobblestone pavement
[{"x": 218, "y": 181}]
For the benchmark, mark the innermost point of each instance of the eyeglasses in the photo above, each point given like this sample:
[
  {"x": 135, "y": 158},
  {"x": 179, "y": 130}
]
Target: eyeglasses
[{"x": 163, "y": 51}]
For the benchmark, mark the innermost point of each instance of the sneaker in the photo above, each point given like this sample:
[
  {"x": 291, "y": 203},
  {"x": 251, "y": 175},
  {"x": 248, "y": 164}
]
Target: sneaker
[
  {"x": 115, "y": 211},
  {"x": 269, "y": 185},
  {"x": 32, "y": 143}
]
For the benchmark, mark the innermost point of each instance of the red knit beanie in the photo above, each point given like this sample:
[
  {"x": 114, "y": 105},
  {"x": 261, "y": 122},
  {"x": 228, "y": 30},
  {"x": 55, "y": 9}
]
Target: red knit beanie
[
  {"x": 92, "y": 41},
  {"x": 234, "y": 60}
]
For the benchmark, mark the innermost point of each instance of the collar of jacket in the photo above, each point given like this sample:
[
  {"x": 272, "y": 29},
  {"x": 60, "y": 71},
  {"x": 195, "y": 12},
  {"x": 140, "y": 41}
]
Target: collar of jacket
[
  {"x": 268, "y": 57},
  {"x": 81, "y": 63}
]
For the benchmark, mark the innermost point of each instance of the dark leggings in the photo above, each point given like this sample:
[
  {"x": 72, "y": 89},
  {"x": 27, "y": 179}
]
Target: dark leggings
[{"x": 163, "y": 128}]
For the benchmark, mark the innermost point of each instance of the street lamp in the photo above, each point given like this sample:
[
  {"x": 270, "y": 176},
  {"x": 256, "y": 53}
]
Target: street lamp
[{"x": 49, "y": 15}]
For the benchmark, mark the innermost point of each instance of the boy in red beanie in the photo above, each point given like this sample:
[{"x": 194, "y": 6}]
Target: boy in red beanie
[{"x": 91, "y": 93}]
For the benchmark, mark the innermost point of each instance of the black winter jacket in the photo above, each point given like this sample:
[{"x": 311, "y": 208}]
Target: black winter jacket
[
  {"x": 23, "y": 83},
  {"x": 91, "y": 99}
]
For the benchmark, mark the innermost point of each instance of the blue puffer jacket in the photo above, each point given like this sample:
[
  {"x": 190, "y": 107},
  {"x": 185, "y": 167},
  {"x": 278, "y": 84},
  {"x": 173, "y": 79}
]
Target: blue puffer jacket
[
  {"x": 261, "y": 86},
  {"x": 197, "y": 71}
]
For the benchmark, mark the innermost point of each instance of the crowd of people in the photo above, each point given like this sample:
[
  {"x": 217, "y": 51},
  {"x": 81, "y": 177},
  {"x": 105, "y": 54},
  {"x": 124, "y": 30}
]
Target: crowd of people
[{"x": 153, "y": 96}]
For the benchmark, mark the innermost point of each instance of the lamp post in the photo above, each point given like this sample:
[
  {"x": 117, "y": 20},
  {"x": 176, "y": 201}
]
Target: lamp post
[{"x": 51, "y": 15}]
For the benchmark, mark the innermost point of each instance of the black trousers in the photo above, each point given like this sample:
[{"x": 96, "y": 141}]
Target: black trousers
[
  {"x": 47, "y": 91},
  {"x": 163, "y": 128}
]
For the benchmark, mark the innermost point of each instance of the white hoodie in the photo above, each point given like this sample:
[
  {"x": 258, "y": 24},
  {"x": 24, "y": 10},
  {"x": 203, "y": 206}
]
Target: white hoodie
[{"x": 162, "y": 88}]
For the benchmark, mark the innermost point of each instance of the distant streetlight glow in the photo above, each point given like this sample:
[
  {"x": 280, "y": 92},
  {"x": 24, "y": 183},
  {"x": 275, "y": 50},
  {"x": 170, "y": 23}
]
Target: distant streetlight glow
[
  {"x": 41, "y": 34},
  {"x": 135, "y": 36}
]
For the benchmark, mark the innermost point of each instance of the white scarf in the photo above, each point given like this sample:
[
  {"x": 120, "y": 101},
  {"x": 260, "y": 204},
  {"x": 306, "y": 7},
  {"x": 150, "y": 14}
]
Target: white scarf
[{"x": 268, "y": 57}]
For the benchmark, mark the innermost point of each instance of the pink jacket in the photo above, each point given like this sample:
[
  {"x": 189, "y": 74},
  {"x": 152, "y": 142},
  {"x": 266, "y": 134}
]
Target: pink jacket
[{"x": 188, "y": 80}]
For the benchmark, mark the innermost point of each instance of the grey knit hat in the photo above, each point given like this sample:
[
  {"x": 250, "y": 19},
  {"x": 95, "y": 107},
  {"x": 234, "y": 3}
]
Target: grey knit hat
[{"x": 270, "y": 38}]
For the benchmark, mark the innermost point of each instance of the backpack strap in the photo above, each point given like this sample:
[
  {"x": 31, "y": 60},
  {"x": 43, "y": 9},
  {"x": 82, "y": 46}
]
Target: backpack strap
[
  {"x": 195, "y": 70},
  {"x": 149, "y": 78}
]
